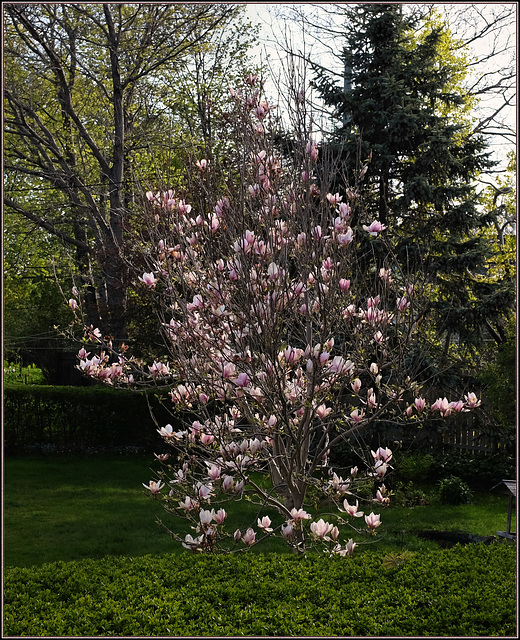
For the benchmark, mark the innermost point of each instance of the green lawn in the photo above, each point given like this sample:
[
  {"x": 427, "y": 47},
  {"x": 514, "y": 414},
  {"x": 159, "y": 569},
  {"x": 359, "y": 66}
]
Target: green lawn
[{"x": 70, "y": 508}]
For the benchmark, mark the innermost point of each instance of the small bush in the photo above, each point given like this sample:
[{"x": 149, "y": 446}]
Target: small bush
[
  {"x": 59, "y": 419},
  {"x": 454, "y": 491},
  {"x": 410, "y": 495}
]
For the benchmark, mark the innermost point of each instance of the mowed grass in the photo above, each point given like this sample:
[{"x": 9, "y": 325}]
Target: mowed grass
[{"x": 70, "y": 508}]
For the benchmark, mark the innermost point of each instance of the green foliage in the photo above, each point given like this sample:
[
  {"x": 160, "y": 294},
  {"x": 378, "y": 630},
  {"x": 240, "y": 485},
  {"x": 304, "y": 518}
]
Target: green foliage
[
  {"x": 16, "y": 372},
  {"x": 466, "y": 591},
  {"x": 59, "y": 419},
  {"x": 499, "y": 381},
  {"x": 414, "y": 467},
  {"x": 476, "y": 469},
  {"x": 406, "y": 117},
  {"x": 454, "y": 491}
]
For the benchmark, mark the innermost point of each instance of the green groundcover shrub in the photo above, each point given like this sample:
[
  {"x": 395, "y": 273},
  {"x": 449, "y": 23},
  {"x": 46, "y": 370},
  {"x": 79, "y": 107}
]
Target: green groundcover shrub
[
  {"x": 59, "y": 419},
  {"x": 463, "y": 591}
]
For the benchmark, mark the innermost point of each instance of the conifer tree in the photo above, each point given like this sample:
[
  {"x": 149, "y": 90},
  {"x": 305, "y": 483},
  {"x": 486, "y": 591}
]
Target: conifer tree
[{"x": 403, "y": 111}]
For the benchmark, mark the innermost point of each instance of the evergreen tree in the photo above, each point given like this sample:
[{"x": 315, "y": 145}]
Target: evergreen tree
[{"x": 404, "y": 113}]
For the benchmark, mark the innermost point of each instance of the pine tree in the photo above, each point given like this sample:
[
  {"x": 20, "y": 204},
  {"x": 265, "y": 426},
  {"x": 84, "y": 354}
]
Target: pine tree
[{"x": 404, "y": 108}]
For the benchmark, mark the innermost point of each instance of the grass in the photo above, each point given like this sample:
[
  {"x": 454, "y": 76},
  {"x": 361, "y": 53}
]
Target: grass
[{"x": 71, "y": 508}]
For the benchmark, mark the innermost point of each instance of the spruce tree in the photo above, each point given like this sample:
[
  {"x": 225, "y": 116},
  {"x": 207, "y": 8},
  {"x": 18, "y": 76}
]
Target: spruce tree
[{"x": 403, "y": 111}]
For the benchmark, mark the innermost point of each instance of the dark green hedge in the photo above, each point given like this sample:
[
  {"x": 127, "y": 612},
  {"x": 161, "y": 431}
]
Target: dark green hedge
[
  {"x": 463, "y": 591},
  {"x": 78, "y": 419}
]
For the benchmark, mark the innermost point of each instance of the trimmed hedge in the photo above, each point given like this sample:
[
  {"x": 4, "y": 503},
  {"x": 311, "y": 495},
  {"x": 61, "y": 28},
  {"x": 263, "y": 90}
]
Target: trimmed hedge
[
  {"x": 464, "y": 591},
  {"x": 62, "y": 419}
]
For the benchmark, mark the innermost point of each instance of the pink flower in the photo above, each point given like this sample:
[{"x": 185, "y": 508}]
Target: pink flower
[
  {"x": 287, "y": 530},
  {"x": 471, "y": 400},
  {"x": 344, "y": 285},
  {"x": 352, "y": 509},
  {"x": 334, "y": 199},
  {"x": 220, "y": 516},
  {"x": 379, "y": 498},
  {"x": 373, "y": 521},
  {"x": 321, "y": 528},
  {"x": 213, "y": 471},
  {"x": 188, "y": 504},
  {"x": 311, "y": 150},
  {"x": 420, "y": 404},
  {"x": 153, "y": 486},
  {"x": 228, "y": 484},
  {"x": 206, "y": 438},
  {"x": 382, "y": 454},
  {"x": 265, "y": 524},
  {"x": 356, "y": 385},
  {"x": 249, "y": 537},
  {"x": 350, "y": 546},
  {"x": 192, "y": 543},
  {"x": 322, "y": 411},
  {"x": 206, "y": 516},
  {"x": 242, "y": 380},
  {"x": 357, "y": 416},
  {"x": 443, "y": 406},
  {"x": 149, "y": 280},
  {"x": 73, "y": 304},
  {"x": 345, "y": 238},
  {"x": 162, "y": 457},
  {"x": 299, "y": 514},
  {"x": 374, "y": 228}
]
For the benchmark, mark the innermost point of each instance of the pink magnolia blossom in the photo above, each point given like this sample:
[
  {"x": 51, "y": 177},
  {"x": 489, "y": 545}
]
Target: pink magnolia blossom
[
  {"x": 299, "y": 514},
  {"x": 334, "y": 199},
  {"x": 162, "y": 457},
  {"x": 352, "y": 509},
  {"x": 380, "y": 498},
  {"x": 356, "y": 385},
  {"x": 220, "y": 516},
  {"x": 149, "y": 280},
  {"x": 192, "y": 543},
  {"x": 265, "y": 524},
  {"x": 374, "y": 228},
  {"x": 420, "y": 404},
  {"x": 154, "y": 487},
  {"x": 357, "y": 416},
  {"x": 350, "y": 546},
  {"x": 443, "y": 406},
  {"x": 344, "y": 284},
  {"x": 346, "y": 238},
  {"x": 206, "y": 516},
  {"x": 323, "y": 411},
  {"x": 320, "y": 529},
  {"x": 73, "y": 304},
  {"x": 213, "y": 471},
  {"x": 373, "y": 521},
  {"x": 248, "y": 537},
  {"x": 471, "y": 400},
  {"x": 384, "y": 454},
  {"x": 242, "y": 380},
  {"x": 287, "y": 530},
  {"x": 188, "y": 504}
]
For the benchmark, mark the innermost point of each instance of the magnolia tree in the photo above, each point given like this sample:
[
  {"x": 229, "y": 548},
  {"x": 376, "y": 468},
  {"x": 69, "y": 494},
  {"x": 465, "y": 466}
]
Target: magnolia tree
[{"x": 278, "y": 350}]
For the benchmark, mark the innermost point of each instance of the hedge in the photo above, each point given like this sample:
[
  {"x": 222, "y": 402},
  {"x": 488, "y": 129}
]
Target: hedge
[
  {"x": 79, "y": 419},
  {"x": 463, "y": 591}
]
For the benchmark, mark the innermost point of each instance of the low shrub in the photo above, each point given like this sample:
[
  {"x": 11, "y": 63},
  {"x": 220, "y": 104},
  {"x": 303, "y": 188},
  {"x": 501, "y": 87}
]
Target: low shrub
[
  {"x": 464, "y": 591},
  {"x": 59, "y": 419},
  {"x": 454, "y": 491}
]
